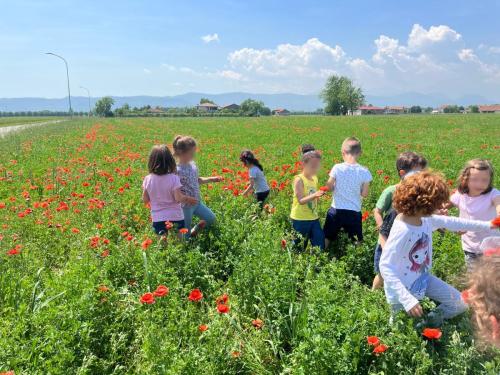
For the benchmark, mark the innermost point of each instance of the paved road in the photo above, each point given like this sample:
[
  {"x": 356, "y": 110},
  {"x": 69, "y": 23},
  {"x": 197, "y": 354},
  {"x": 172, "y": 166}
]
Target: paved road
[{"x": 9, "y": 129}]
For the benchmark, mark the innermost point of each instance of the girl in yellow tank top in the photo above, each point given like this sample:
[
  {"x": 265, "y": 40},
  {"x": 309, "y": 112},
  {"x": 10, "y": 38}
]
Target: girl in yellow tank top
[{"x": 304, "y": 214}]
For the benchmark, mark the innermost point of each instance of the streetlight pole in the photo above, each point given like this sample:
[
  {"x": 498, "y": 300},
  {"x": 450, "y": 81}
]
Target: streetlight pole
[
  {"x": 67, "y": 76},
  {"x": 88, "y": 93}
]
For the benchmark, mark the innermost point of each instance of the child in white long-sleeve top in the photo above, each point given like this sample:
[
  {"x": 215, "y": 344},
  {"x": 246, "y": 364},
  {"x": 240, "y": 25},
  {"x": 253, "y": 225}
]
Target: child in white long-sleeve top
[{"x": 407, "y": 257}]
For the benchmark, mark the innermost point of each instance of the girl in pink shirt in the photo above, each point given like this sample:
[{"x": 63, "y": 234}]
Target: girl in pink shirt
[
  {"x": 476, "y": 199},
  {"x": 162, "y": 190}
]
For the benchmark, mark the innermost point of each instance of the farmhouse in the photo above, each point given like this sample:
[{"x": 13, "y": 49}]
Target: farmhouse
[
  {"x": 230, "y": 107},
  {"x": 281, "y": 112},
  {"x": 207, "y": 107},
  {"x": 369, "y": 110},
  {"x": 395, "y": 110},
  {"x": 489, "y": 108}
]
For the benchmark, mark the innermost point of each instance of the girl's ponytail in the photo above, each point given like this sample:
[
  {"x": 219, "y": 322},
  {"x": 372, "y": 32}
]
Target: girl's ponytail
[{"x": 248, "y": 157}]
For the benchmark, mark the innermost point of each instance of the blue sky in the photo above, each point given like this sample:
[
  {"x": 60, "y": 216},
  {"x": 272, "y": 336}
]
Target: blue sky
[{"x": 132, "y": 47}]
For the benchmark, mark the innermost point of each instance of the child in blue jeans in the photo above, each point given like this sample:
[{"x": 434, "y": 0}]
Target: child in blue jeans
[{"x": 185, "y": 151}]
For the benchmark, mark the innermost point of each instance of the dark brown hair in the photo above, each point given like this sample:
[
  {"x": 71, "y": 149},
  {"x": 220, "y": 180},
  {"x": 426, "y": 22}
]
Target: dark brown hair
[
  {"x": 183, "y": 143},
  {"x": 483, "y": 296},
  {"x": 161, "y": 161},
  {"x": 351, "y": 146},
  {"x": 421, "y": 193},
  {"x": 307, "y": 147},
  {"x": 407, "y": 161},
  {"x": 248, "y": 157},
  {"x": 313, "y": 154},
  {"x": 480, "y": 165}
]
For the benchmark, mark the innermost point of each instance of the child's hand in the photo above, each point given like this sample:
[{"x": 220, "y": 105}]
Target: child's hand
[
  {"x": 416, "y": 311},
  {"x": 319, "y": 194},
  {"x": 191, "y": 201}
]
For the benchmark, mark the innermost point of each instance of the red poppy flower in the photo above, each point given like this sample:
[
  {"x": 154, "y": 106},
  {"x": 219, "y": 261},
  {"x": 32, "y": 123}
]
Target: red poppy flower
[
  {"x": 236, "y": 354},
  {"x": 75, "y": 230},
  {"x": 224, "y": 299},
  {"x": 161, "y": 291},
  {"x": 195, "y": 295},
  {"x": 168, "y": 225},
  {"x": 257, "y": 323},
  {"x": 465, "y": 296},
  {"x": 146, "y": 243},
  {"x": 365, "y": 216},
  {"x": 490, "y": 252},
  {"x": 496, "y": 222},
  {"x": 103, "y": 288},
  {"x": 379, "y": 349},
  {"x": 147, "y": 298},
  {"x": 283, "y": 243},
  {"x": 183, "y": 231},
  {"x": 11, "y": 372},
  {"x": 373, "y": 340},
  {"x": 202, "y": 327},
  {"x": 222, "y": 308},
  {"x": 432, "y": 333},
  {"x": 324, "y": 188},
  {"x": 105, "y": 253}
]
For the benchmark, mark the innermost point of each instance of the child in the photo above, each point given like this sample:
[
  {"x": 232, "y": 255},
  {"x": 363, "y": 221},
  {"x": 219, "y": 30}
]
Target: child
[
  {"x": 304, "y": 214},
  {"x": 185, "y": 151},
  {"x": 483, "y": 295},
  {"x": 349, "y": 182},
  {"x": 258, "y": 183},
  {"x": 407, "y": 257},
  {"x": 408, "y": 163},
  {"x": 162, "y": 190},
  {"x": 476, "y": 198}
]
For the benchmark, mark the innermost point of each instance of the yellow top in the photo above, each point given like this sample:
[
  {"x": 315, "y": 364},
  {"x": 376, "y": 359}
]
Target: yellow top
[{"x": 308, "y": 211}]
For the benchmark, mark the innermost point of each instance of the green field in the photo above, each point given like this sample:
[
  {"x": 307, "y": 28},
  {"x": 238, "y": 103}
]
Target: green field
[
  {"x": 11, "y": 121},
  {"x": 69, "y": 301}
]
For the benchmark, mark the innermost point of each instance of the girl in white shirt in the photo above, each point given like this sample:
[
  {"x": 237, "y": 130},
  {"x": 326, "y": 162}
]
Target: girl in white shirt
[{"x": 407, "y": 257}]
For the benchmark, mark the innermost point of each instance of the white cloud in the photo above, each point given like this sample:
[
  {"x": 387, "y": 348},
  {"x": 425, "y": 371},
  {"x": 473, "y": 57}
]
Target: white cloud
[
  {"x": 230, "y": 74},
  {"x": 420, "y": 37},
  {"x": 210, "y": 38},
  {"x": 147, "y": 71}
]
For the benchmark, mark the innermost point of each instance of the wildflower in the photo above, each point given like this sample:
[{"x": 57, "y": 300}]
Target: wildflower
[
  {"x": 496, "y": 222},
  {"x": 168, "y": 225},
  {"x": 236, "y": 354},
  {"x": 183, "y": 231},
  {"x": 257, "y": 323},
  {"x": 432, "y": 333},
  {"x": 195, "y": 295},
  {"x": 365, "y": 215},
  {"x": 75, "y": 230},
  {"x": 105, "y": 254},
  {"x": 161, "y": 291},
  {"x": 103, "y": 288},
  {"x": 222, "y": 299},
  {"x": 283, "y": 243},
  {"x": 202, "y": 327},
  {"x": 147, "y": 298},
  {"x": 379, "y": 349},
  {"x": 373, "y": 340},
  {"x": 465, "y": 296},
  {"x": 14, "y": 251},
  {"x": 146, "y": 243},
  {"x": 222, "y": 308},
  {"x": 324, "y": 188}
]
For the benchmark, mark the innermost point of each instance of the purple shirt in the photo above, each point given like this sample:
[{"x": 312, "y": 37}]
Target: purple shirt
[
  {"x": 476, "y": 208},
  {"x": 161, "y": 190}
]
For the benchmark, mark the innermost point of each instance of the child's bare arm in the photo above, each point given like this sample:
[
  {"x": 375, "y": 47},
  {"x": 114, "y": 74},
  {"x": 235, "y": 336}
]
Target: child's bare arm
[
  {"x": 331, "y": 183},
  {"x": 379, "y": 219},
  {"x": 299, "y": 192},
  {"x": 207, "y": 180},
  {"x": 145, "y": 196},
  {"x": 365, "y": 188},
  {"x": 182, "y": 198},
  {"x": 249, "y": 188},
  {"x": 496, "y": 203}
]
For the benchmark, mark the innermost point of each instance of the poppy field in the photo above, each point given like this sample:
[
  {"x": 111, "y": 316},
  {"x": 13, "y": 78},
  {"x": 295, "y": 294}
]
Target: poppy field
[{"x": 87, "y": 288}]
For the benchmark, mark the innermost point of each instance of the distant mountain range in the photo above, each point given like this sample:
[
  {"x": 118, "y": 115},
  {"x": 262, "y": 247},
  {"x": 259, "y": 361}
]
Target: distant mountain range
[{"x": 293, "y": 102}]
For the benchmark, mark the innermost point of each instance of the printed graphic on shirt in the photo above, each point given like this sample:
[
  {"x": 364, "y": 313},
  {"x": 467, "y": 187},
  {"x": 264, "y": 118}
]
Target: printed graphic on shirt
[
  {"x": 312, "y": 205},
  {"x": 420, "y": 260}
]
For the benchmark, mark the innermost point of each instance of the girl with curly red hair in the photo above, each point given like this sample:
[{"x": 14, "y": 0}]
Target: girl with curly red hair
[{"x": 407, "y": 257}]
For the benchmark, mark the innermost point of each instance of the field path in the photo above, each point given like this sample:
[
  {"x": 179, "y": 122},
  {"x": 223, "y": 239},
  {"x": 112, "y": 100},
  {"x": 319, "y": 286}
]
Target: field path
[{"x": 9, "y": 129}]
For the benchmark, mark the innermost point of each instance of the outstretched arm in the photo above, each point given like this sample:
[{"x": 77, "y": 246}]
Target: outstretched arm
[{"x": 299, "y": 192}]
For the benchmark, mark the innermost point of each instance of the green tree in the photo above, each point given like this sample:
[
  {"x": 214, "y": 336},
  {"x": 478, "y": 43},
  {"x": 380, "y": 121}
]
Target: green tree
[
  {"x": 103, "y": 107},
  {"x": 250, "y": 107},
  {"x": 205, "y": 100},
  {"x": 451, "y": 109},
  {"x": 416, "y": 109},
  {"x": 474, "y": 109},
  {"x": 123, "y": 110},
  {"x": 340, "y": 95}
]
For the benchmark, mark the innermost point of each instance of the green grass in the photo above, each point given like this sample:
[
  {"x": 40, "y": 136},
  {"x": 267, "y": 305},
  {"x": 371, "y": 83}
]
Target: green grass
[
  {"x": 11, "y": 121},
  {"x": 316, "y": 312}
]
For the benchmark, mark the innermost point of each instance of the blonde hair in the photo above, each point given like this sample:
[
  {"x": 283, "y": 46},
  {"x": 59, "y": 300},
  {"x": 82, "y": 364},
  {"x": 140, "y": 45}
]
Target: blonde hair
[
  {"x": 483, "y": 296},
  {"x": 183, "y": 144},
  {"x": 478, "y": 164},
  {"x": 351, "y": 146}
]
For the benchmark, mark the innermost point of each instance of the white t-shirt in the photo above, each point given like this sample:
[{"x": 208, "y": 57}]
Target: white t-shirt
[
  {"x": 407, "y": 256},
  {"x": 260, "y": 184},
  {"x": 349, "y": 178}
]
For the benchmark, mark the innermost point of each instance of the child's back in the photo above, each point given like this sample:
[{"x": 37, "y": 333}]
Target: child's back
[
  {"x": 161, "y": 191},
  {"x": 349, "y": 179}
]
